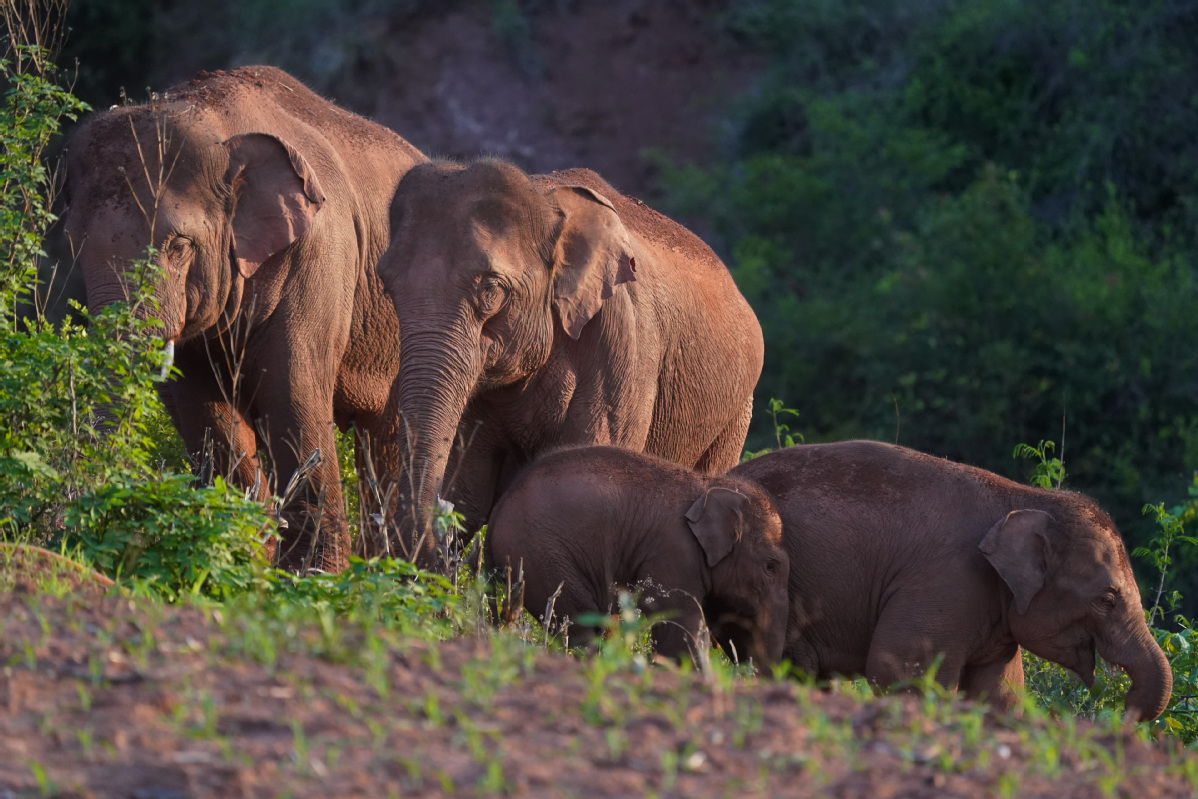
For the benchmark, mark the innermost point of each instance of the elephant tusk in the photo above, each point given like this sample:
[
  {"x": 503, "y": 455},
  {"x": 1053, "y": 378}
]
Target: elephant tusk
[{"x": 168, "y": 352}]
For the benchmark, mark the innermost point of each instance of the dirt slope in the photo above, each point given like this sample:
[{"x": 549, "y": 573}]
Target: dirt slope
[
  {"x": 115, "y": 699},
  {"x": 589, "y": 83}
]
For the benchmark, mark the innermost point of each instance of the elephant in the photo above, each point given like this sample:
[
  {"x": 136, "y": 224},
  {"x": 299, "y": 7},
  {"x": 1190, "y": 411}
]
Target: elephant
[
  {"x": 266, "y": 207},
  {"x": 582, "y": 521},
  {"x": 898, "y": 558},
  {"x": 550, "y": 310}
]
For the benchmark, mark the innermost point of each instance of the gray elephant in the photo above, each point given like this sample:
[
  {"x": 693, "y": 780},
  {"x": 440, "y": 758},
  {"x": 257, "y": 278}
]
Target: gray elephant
[
  {"x": 551, "y": 310},
  {"x": 592, "y": 519},
  {"x": 898, "y": 558},
  {"x": 267, "y": 208}
]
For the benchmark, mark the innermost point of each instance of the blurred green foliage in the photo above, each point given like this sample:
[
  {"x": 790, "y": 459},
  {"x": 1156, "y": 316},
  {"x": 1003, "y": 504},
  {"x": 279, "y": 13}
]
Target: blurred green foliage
[{"x": 963, "y": 224}]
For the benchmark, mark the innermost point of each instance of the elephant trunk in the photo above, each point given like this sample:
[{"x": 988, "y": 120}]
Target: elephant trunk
[
  {"x": 437, "y": 375},
  {"x": 1151, "y": 676},
  {"x": 113, "y": 289},
  {"x": 100, "y": 295},
  {"x": 775, "y": 640},
  {"x": 101, "y": 298}
]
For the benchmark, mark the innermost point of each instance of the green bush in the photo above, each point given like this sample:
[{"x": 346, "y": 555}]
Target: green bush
[
  {"x": 171, "y": 534},
  {"x": 79, "y": 465}
]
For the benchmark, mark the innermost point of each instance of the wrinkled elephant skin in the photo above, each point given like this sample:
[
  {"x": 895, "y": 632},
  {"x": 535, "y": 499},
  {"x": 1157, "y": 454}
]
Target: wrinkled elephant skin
[
  {"x": 898, "y": 558},
  {"x": 267, "y": 208}
]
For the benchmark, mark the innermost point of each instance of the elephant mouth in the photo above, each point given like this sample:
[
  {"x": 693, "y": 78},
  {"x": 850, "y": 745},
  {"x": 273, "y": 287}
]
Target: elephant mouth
[{"x": 1083, "y": 662}]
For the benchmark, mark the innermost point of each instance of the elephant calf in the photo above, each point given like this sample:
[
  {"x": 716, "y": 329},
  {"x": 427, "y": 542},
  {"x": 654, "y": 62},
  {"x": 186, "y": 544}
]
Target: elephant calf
[
  {"x": 591, "y": 519},
  {"x": 898, "y": 557}
]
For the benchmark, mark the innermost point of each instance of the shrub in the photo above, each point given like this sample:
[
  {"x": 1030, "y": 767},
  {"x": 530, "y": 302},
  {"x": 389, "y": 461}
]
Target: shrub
[{"x": 78, "y": 464}]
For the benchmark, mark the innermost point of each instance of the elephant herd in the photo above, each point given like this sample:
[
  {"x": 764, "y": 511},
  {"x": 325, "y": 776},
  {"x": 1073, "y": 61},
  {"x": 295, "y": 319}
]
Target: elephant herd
[{"x": 571, "y": 368}]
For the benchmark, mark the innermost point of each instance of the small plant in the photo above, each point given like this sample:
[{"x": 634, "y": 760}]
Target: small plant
[
  {"x": 45, "y": 785},
  {"x": 625, "y": 639},
  {"x": 783, "y": 435},
  {"x": 1047, "y": 472},
  {"x": 1172, "y": 531}
]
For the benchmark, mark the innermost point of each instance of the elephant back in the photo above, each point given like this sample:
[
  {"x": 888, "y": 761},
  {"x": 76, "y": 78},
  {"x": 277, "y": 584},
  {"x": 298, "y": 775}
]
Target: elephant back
[{"x": 654, "y": 228}]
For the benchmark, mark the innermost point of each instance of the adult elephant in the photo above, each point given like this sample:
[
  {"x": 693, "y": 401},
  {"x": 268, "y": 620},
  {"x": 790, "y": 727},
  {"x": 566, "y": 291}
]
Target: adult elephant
[
  {"x": 550, "y": 310},
  {"x": 266, "y": 208},
  {"x": 897, "y": 558}
]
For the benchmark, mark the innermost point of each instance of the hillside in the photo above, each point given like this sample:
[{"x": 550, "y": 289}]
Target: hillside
[
  {"x": 106, "y": 697},
  {"x": 549, "y": 85}
]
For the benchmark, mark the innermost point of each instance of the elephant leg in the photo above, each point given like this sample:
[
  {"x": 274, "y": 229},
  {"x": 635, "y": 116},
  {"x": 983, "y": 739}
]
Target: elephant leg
[
  {"x": 558, "y": 609},
  {"x": 801, "y": 653},
  {"x": 204, "y": 415},
  {"x": 996, "y": 682},
  {"x": 725, "y": 451},
  {"x": 683, "y": 631},
  {"x": 471, "y": 484},
  {"x": 681, "y": 634},
  {"x": 299, "y": 438},
  {"x": 904, "y": 647},
  {"x": 218, "y": 437}
]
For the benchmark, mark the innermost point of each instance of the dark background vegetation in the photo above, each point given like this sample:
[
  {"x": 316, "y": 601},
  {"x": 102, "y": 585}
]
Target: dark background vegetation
[{"x": 963, "y": 225}]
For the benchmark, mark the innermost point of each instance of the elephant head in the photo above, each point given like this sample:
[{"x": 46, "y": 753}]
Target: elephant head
[
  {"x": 1073, "y": 591},
  {"x": 740, "y": 534},
  {"x": 484, "y": 268},
  {"x": 213, "y": 209}
]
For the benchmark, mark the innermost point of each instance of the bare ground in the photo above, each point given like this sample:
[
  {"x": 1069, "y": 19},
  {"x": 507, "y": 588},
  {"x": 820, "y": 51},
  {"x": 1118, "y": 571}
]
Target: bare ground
[
  {"x": 594, "y": 84},
  {"x": 116, "y": 697}
]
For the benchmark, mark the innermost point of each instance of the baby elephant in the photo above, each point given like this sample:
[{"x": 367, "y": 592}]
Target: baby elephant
[
  {"x": 898, "y": 557},
  {"x": 598, "y": 518}
]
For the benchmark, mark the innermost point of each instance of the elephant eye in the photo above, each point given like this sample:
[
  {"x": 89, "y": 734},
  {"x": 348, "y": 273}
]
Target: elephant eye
[
  {"x": 178, "y": 247},
  {"x": 490, "y": 295},
  {"x": 1107, "y": 602},
  {"x": 772, "y": 565}
]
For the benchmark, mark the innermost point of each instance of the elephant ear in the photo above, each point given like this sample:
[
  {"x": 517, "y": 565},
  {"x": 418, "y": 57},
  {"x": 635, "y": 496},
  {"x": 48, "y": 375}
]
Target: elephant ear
[
  {"x": 591, "y": 257},
  {"x": 275, "y": 196},
  {"x": 717, "y": 520},
  {"x": 1017, "y": 548}
]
